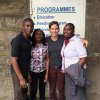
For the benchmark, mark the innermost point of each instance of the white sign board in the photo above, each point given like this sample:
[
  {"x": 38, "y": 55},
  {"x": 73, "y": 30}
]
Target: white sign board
[{"x": 64, "y": 11}]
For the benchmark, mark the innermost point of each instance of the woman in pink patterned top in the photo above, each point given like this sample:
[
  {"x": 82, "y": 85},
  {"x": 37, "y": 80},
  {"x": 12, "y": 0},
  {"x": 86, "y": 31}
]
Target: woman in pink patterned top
[{"x": 39, "y": 64}]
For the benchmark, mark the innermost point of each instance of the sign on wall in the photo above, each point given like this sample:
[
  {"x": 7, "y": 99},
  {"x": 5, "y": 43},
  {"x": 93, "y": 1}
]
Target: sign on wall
[{"x": 64, "y": 11}]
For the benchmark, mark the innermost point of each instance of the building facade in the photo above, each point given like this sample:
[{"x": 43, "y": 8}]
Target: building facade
[{"x": 12, "y": 13}]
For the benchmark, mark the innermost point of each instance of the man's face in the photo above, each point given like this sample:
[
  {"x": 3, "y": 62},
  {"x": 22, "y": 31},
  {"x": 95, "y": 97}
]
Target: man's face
[{"x": 28, "y": 27}]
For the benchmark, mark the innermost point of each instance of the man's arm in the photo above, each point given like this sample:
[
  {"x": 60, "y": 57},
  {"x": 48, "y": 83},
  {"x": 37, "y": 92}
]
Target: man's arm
[
  {"x": 15, "y": 52},
  {"x": 16, "y": 67},
  {"x": 18, "y": 72}
]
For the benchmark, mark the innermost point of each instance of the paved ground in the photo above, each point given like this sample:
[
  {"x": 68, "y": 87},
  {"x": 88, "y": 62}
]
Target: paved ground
[{"x": 5, "y": 98}]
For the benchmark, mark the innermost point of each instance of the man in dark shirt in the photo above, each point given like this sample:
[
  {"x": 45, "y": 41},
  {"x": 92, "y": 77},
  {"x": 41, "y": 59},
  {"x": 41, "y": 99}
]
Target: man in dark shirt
[{"x": 20, "y": 60}]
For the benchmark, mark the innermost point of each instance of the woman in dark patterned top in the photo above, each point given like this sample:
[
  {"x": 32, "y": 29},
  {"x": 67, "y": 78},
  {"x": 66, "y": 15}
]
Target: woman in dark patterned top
[{"x": 39, "y": 64}]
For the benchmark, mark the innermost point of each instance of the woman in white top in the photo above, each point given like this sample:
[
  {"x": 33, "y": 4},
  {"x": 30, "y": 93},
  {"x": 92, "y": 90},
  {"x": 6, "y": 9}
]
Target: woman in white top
[{"x": 72, "y": 52}]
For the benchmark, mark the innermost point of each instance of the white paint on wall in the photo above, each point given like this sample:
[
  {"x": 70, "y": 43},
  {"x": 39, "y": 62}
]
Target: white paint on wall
[{"x": 64, "y": 11}]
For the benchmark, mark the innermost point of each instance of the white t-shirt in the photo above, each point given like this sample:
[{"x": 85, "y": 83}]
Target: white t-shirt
[{"x": 72, "y": 53}]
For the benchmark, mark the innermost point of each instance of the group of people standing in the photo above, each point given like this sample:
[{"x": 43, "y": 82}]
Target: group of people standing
[{"x": 36, "y": 60}]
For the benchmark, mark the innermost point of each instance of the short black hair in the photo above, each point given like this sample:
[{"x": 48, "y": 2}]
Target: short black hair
[
  {"x": 71, "y": 25},
  {"x": 34, "y": 40},
  {"x": 28, "y": 19},
  {"x": 53, "y": 23}
]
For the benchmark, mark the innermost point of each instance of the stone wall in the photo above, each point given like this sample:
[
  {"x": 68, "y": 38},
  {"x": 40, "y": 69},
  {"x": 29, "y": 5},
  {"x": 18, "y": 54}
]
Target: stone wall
[
  {"x": 12, "y": 13},
  {"x": 93, "y": 35}
]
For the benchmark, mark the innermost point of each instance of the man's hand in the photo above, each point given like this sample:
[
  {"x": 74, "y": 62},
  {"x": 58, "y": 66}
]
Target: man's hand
[{"x": 23, "y": 83}]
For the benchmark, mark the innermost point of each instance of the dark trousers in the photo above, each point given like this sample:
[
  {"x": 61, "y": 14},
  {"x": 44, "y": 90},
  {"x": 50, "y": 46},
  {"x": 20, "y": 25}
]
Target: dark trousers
[
  {"x": 19, "y": 93},
  {"x": 56, "y": 77},
  {"x": 33, "y": 86}
]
